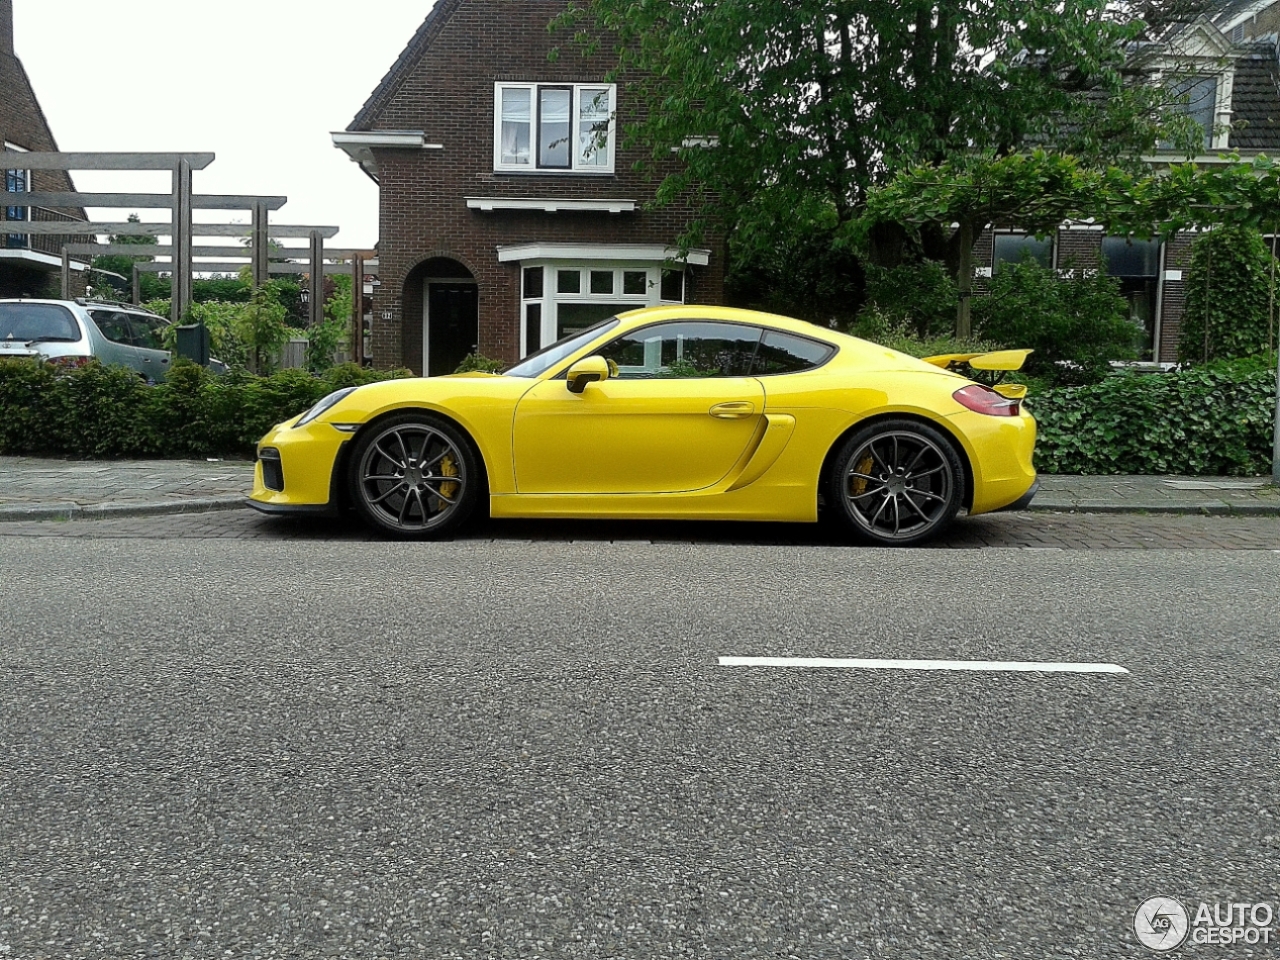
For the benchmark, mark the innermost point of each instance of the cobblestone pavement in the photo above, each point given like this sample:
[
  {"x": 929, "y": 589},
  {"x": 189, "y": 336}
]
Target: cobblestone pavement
[{"x": 1066, "y": 531}]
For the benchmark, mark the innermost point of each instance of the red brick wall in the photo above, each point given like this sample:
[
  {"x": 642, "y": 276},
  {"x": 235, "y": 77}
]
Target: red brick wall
[
  {"x": 1177, "y": 256},
  {"x": 449, "y": 95},
  {"x": 1079, "y": 249}
]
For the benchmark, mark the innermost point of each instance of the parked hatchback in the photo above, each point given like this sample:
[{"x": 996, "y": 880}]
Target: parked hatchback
[{"x": 72, "y": 331}]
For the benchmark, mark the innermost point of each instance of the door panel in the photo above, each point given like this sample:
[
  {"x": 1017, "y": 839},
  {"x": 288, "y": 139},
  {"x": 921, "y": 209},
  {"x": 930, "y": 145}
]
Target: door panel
[
  {"x": 634, "y": 436},
  {"x": 452, "y": 326}
]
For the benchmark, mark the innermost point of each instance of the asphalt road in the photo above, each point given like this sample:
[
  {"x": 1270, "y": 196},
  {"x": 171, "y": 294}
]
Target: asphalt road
[{"x": 499, "y": 747}]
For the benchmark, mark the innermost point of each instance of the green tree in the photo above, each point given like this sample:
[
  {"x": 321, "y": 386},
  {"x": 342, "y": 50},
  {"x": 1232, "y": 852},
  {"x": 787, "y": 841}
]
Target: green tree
[
  {"x": 1076, "y": 324},
  {"x": 334, "y": 330},
  {"x": 785, "y": 114},
  {"x": 262, "y": 326},
  {"x": 1230, "y": 297},
  {"x": 121, "y": 265}
]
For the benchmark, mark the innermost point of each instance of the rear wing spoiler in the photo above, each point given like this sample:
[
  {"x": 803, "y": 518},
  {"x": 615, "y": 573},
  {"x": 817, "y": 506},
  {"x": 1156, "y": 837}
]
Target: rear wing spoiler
[
  {"x": 999, "y": 360},
  {"x": 988, "y": 368}
]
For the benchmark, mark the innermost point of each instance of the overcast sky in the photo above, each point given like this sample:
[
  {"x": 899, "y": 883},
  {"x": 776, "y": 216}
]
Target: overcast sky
[{"x": 260, "y": 83}]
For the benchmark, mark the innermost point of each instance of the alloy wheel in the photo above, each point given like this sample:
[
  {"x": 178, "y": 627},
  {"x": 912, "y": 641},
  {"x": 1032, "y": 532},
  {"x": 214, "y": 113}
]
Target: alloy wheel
[
  {"x": 900, "y": 485},
  {"x": 412, "y": 478}
]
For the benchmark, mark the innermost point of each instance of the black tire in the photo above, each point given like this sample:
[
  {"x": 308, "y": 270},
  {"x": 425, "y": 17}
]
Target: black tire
[
  {"x": 414, "y": 476},
  {"x": 896, "y": 483}
]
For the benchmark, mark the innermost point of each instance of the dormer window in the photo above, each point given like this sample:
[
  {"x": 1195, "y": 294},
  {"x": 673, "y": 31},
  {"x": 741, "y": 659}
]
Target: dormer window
[
  {"x": 1197, "y": 98},
  {"x": 553, "y": 128}
]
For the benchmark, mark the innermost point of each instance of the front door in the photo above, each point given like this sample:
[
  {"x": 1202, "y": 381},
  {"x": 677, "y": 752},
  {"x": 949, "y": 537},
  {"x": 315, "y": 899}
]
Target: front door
[{"x": 451, "y": 326}]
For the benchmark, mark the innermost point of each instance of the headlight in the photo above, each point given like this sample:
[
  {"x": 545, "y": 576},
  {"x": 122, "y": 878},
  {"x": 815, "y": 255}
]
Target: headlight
[{"x": 330, "y": 401}]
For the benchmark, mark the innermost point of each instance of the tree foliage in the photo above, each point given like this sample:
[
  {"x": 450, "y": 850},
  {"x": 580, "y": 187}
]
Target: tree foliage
[
  {"x": 785, "y": 114},
  {"x": 1075, "y": 324},
  {"x": 335, "y": 329},
  {"x": 121, "y": 265}
]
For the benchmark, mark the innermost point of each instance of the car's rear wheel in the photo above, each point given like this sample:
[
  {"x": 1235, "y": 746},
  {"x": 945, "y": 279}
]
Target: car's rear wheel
[
  {"x": 414, "y": 476},
  {"x": 897, "y": 483}
]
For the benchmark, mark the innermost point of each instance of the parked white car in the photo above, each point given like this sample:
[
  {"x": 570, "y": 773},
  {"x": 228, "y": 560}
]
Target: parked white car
[{"x": 71, "y": 331}]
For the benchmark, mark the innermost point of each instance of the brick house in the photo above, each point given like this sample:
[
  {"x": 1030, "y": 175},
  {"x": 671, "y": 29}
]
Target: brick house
[
  {"x": 29, "y": 266},
  {"x": 1227, "y": 65},
  {"x": 510, "y": 213}
]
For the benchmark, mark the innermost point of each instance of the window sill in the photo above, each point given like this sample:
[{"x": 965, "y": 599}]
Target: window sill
[{"x": 592, "y": 174}]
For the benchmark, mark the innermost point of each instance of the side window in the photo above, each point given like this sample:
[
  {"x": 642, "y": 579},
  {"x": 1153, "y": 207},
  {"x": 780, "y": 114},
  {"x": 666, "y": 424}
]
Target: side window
[
  {"x": 114, "y": 326},
  {"x": 147, "y": 331},
  {"x": 785, "y": 353},
  {"x": 688, "y": 349}
]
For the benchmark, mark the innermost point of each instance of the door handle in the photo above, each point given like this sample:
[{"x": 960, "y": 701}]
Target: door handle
[{"x": 733, "y": 410}]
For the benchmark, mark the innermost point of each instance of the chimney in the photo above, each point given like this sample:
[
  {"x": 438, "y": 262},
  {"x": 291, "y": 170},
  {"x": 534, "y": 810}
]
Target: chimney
[{"x": 6, "y": 28}]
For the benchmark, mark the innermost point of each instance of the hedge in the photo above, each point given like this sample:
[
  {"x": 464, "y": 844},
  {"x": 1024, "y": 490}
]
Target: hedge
[
  {"x": 1206, "y": 422},
  {"x": 1211, "y": 421},
  {"x": 102, "y": 412}
]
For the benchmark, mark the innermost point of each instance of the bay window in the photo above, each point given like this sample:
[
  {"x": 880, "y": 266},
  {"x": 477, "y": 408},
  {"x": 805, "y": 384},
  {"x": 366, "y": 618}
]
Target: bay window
[{"x": 562, "y": 298}]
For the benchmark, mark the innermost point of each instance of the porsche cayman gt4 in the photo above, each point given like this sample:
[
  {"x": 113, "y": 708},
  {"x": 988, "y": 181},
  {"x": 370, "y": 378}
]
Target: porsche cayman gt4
[{"x": 700, "y": 413}]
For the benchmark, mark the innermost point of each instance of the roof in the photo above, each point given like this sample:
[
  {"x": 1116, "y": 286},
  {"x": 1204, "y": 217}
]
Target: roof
[
  {"x": 1233, "y": 12},
  {"x": 23, "y": 123},
  {"x": 387, "y": 88},
  {"x": 1255, "y": 100}
]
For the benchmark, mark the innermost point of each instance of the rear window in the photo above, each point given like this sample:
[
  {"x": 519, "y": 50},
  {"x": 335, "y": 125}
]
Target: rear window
[
  {"x": 786, "y": 353},
  {"x": 37, "y": 321}
]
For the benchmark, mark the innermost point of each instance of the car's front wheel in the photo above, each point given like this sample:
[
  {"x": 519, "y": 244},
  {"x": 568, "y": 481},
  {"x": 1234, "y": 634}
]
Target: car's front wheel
[
  {"x": 414, "y": 476},
  {"x": 897, "y": 483}
]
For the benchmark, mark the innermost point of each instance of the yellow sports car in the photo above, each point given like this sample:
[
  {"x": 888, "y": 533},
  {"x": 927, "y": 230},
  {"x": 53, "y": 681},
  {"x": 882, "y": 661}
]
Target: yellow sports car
[{"x": 702, "y": 413}]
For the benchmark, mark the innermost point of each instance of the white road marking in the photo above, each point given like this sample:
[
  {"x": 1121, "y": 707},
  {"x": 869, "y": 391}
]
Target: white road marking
[{"x": 996, "y": 666}]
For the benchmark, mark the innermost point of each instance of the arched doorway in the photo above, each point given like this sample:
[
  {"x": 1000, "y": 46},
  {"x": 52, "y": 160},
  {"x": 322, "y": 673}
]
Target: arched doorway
[{"x": 445, "y": 292}]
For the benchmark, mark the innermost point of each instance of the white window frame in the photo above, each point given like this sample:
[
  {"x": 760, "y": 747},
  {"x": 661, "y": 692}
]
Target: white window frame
[
  {"x": 1219, "y": 133},
  {"x": 576, "y": 166},
  {"x": 551, "y": 300}
]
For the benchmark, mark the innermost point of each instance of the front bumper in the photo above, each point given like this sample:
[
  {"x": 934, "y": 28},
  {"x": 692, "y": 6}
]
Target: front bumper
[{"x": 297, "y": 475}]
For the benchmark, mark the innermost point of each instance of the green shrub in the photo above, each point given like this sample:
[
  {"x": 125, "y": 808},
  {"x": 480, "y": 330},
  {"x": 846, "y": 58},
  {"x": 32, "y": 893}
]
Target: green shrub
[
  {"x": 1075, "y": 325},
  {"x": 1228, "y": 283},
  {"x": 921, "y": 297},
  {"x": 1197, "y": 422},
  {"x": 889, "y": 331},
  {"x": 474, "y": 362},
  {"x": 98, "y": 412},
  {"x": 108, "y": 412},
  {"x": 26, "y": 395},
  {"x": 180, "y": 411}
]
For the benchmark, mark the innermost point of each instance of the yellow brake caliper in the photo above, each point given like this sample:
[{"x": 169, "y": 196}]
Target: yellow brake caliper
[
  {"x": 858, "y": 485},
  {"x": 448, "y": 469}
]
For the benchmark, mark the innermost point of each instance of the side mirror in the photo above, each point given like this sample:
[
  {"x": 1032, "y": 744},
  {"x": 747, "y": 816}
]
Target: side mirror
[{"x": 587, "y": 370}]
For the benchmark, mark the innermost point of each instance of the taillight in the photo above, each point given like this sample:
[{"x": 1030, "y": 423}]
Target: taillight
[
  {"x": 982, "y": 399},
  {"x": 70, "y": 363}
]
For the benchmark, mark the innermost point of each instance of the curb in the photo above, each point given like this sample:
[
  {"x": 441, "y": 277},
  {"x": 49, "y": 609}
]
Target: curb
[
  {"x": 108, "y": 511},
  {"x": 1217, "y": 508}
]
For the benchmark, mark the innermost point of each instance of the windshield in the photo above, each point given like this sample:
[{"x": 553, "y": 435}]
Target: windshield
[
  {"x": 37, "y": 321},
  {"x": 536, "y": 364}
]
